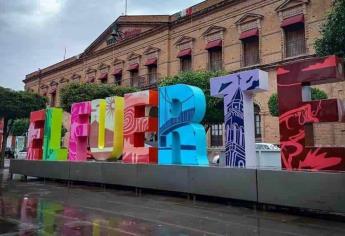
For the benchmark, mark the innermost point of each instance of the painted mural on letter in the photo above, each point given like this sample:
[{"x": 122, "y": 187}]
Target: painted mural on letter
[
  {"x": 297, "y": 116},
  {"x": 35, "y": 135},
  {"x": 237, "y": 90},
  {"x": 136, "y": 124},
  {"x": 80, "y": 126},
  {"x": 106, "y": 136},
  {"x": 52, "y": 136},
  {"x": 182, "y": 139}
]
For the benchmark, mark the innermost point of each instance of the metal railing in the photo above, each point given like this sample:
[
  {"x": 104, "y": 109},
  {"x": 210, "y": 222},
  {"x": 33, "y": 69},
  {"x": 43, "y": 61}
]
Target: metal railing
[
  {"x": 145, "y": 81},
  {"x": 295, "y": 47},
  {"x": 215, "y": 65}
]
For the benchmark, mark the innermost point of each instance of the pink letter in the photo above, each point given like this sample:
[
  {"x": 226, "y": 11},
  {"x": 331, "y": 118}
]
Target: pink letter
[{"x": 80, "y": 126}]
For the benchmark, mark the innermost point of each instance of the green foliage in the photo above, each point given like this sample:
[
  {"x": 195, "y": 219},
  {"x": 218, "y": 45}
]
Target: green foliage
[
  {"x": 316, "y": 94},
  {"x": 20, "y": 127},
  {"x": 19, "y": 104},
  {"x": 201, "y": 79},
  {"x": 15, "y": 105},
  {"x": 273, "y": 105},
  {"x": 332, "y": 39},
  {"x": 74, "y": 92}
]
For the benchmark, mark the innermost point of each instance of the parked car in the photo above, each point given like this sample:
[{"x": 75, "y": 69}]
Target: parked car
[
  {"x": 21, "y": 154},
  {"x": 266, "y": 146},
  {"x": 215, "y": 159}
]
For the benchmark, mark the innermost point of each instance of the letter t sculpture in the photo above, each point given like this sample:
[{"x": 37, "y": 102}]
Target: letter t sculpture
[{"x": 237, "y": 90}]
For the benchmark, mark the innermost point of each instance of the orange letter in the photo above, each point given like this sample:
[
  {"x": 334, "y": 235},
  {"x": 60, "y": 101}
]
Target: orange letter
[{"x": 136, "y": 123}]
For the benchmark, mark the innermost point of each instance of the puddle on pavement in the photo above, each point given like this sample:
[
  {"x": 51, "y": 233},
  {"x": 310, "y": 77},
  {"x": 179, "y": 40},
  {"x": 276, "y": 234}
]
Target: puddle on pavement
[{"x": 34, "y": 208}]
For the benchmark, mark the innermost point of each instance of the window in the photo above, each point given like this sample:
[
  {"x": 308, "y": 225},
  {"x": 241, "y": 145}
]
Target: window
[
  {"x": 294, "y": 40},
  {"x": 186, "y": 63},
  {"x": 217, "y": 135},
  {"x": 134, "y": 78},
  {"x": 118, "y": 79},
  {"x": 251, "y": 51},
  {"x": 103, "y": 81},
  {"x": 257, "y": 122},
  {"x": 215, "y": 59},
  {"x": 53, "y": 99},
  {"x": 152, "y": 74}
]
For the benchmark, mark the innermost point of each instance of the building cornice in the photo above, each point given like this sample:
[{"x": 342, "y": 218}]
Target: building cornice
[
  {"x": 206, "y": 11},
  {"x": 86, "y": 55},
  {"x": 83, "y": 56}
]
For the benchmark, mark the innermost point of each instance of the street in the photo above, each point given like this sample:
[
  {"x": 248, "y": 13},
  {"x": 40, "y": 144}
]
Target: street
[{"x": 54, "y": 208}]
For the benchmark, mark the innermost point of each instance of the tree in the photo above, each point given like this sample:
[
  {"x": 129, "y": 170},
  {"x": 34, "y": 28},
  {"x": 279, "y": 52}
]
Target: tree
[
  {"x": 316, "y": 94},
  {"x": 201, "y": 79},
  {"x": 15, "y": 105},
  {"x": 20, "y": 127},
  {"x": 72, "y": 93},
  {"x": 332, "y": 39}
]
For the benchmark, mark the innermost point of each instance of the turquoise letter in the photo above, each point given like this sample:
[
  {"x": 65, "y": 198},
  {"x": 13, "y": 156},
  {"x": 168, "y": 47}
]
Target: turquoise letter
[{"x": 182, "y": 140}]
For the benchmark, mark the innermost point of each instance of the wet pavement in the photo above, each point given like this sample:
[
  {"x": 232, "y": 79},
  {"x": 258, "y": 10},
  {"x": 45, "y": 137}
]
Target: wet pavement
[{"x": 51, "y": 208}]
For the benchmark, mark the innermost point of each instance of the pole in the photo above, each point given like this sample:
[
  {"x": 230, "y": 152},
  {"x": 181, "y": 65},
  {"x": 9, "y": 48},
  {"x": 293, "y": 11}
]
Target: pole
[
  {"x": 125, "y": 7},
  {"x": 64, "y": 55}
]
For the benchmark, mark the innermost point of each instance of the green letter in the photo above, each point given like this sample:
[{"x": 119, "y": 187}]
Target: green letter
[{"x": 52, "y": 150}]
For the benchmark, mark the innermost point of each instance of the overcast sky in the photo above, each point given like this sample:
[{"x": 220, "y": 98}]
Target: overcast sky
[{"x": 34, "y": 33}]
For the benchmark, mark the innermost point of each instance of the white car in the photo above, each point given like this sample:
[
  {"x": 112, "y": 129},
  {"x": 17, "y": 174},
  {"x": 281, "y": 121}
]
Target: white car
[
  {"x": 266, "y": 146},
  {"x": 21, "y": 154}
]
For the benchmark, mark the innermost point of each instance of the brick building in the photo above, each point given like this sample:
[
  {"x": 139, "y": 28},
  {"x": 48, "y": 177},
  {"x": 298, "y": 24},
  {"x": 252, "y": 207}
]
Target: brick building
[{"x": 231, "y": 35}]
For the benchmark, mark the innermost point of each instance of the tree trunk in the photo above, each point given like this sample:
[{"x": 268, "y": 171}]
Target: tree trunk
[{"x": 4, "y": 141}]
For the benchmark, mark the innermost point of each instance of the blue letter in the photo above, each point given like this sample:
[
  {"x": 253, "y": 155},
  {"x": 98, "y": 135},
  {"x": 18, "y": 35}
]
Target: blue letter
[{"x": 182, "y": 140}]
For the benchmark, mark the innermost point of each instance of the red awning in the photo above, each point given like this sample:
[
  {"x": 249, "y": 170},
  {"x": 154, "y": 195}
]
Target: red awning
[
  {"x": 133, "y": 67},
  {"x": 151, "y": 61},
  {"x": 214, "y": 44},
  {"x": 249, "y": 34},
  {"x": 293, "y": 20},
  {"x": 185, "y": 53},
  {"x": 117, "y": 71},
  {"x": 103, "y": 76}
]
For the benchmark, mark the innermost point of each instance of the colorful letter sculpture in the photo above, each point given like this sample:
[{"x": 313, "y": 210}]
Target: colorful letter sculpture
[
  {"x": 296, "y": 115},
  {"x": 52, "y": 136},
  {"x": 106, "y": 137},
  {"x": 237, "y": 90},
  {"x": 78, "y": 142},
  {"x": 182, "y": 140},
  {"x": 35, "y": 135},
  {"x": 136, "y": 124}
]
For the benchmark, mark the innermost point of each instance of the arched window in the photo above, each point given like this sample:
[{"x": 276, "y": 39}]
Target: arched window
[{"x": 257, "y": 122}]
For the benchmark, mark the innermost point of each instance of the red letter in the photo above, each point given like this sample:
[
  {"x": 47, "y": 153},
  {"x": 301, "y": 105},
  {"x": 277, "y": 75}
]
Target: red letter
[
  {"x": 296, "y": 116},
  {"x": 35, "y": 135},
  {"x": 135, "y": 126}
]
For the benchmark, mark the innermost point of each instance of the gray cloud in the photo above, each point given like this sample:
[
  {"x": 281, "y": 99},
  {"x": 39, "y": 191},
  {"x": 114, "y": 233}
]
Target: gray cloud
[{"x": 34, "y": 33}]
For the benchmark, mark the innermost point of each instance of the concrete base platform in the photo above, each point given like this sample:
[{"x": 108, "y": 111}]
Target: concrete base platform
[{"x": 321, "y": 191}]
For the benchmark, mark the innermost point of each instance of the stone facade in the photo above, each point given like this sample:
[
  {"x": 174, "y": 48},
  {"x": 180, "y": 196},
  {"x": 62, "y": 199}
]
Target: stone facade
[{"x": 162, "y": 39}]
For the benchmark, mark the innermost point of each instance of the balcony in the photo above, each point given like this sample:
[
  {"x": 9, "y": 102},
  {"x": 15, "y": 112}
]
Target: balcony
[
  {"x": 147, "y": 81},
  {"x": 215, "y": 65},
  {"x": 295, "y": 47}
]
